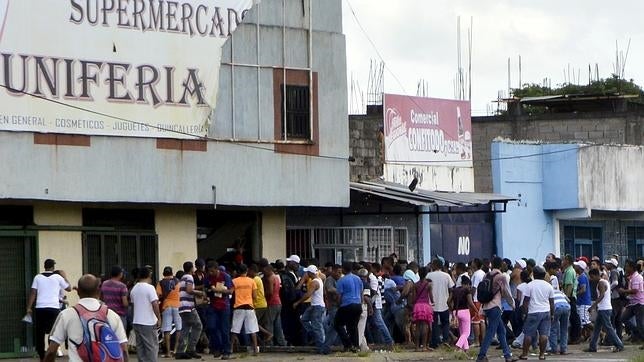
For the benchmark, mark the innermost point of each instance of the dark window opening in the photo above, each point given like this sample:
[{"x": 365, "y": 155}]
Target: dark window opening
[
  {"x": 298, "y": 112},
  {"x": 16, "y": 215},
  {"x": 129, "y": 250},
  {"x": 635, "y": 236},
  {"x": 119, "y": 219},
  {"x": 583, "y": 241}
]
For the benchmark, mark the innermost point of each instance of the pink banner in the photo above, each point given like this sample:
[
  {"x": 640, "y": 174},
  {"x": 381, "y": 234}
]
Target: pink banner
[{"x": 427, "y": 130}]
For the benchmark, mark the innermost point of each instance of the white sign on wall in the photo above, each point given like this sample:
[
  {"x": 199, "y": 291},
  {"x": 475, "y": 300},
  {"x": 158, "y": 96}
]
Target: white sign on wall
[{"x": 154, "y": 62}]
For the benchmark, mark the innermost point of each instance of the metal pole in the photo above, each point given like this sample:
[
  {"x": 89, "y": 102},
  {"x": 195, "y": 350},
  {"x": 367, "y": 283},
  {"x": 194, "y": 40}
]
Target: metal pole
[
  {"x": 285, "y": 131},
  {"x": 311, "y": 70},
  {"x": 259, "y": 75},
  {"x": 232, "y": 82}
]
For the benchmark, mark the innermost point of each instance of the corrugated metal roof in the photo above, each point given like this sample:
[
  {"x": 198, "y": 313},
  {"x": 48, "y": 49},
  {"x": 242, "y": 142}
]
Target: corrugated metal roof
[{"x": 427, "y": 198}]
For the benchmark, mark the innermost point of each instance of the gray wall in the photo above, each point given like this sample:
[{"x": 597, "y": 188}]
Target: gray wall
[
  {"x": 115, "y": 169},
  {"x": 367, "y": 146},
  {"x": 622, "y": 128}
]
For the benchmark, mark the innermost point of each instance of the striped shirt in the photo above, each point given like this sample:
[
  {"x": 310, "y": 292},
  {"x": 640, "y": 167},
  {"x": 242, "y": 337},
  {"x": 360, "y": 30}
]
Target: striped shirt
[
  {"x": 186, "y": 300},
  {"x": 112, "y": 292},
  {"x": 560, "y": 300}
]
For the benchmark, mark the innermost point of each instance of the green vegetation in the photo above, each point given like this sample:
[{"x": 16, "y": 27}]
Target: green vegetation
[{"x": 612, "y": 85}]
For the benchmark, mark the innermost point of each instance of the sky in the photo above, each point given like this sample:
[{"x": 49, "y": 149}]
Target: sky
[{"x": 418, "y": 40}]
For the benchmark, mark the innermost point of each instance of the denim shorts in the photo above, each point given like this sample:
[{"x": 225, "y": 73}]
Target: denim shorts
[
  {"x": 169, "y": 316},
  {"x": 537, "y": 322}
]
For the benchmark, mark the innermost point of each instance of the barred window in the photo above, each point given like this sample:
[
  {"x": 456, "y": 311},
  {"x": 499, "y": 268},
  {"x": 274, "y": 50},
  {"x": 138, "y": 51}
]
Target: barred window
[
  {"x": 102, "y": 250},
  {"x": 298, "y": 112}
]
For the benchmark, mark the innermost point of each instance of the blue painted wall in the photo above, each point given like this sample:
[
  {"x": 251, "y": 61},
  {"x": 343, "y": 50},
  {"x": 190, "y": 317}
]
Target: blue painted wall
[
  {"x": 542, "y": 182},
  {"x": 560, "y": 177}
]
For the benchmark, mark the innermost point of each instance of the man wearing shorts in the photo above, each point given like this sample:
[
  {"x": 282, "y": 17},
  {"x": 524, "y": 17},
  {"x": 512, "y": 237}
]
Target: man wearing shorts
[
  {"x": 539, "y": 304},
  {"x": 583, "y": 298},
  {"x": 168, "y": 290},
  {"x": 478, "y": 321},
  {"x": 244, "y": 315}
]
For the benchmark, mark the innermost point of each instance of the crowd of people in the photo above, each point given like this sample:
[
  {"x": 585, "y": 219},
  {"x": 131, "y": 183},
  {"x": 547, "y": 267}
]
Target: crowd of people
[{"x": 209, "y": 308}]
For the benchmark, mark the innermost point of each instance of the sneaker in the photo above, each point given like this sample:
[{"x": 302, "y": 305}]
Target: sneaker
[
  {"x": 484, "y": 359},
  {"x": 193, "y": 355},
  {"x": 618, "y": 349},
  {"x": 590, "y": 350},
  {"x": 227, "y": 356},
  {"x": 181, "y": 356}
]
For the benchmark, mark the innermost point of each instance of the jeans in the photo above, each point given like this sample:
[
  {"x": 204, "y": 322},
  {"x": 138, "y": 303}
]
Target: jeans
[
  {"x": 603, "y": 320},
  {"x": 44, "y": 319},
  {"x": 330, "y": 334},
  {"x": 494, "y": 326},
  {"x": 379, "y": 323},
  {"x": 346, "y": 324},
  {"x": 575, "y": 323},
  {"x": 218, "y": 330},
  {"x": 147, "y": 342},
  {"x": 637, "y": 311},
  {"x": 275, "y": 324},
  {"x": 559, "y": 330},
  {"x": 443, "y": 318},
  {"x": 312, "y": 322},
  {"x": 616, "y": 318},
  {"x": 190, "y": 332}
]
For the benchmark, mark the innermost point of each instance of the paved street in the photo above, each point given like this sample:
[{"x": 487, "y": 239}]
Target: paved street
[{"x": 630, "y": 354}]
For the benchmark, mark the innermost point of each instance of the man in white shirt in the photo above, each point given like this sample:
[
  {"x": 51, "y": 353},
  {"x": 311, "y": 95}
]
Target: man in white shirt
[
  {"x": 146, "y": 317},
  {"x": 442, "y": 285},
  {"x": 376, "y": 320},
  {"x": 604, "y": 312},
  {"x": 539, "y": 303},
  {"x": 68, "y": 325},
  {"x": 313, "y": 316},
  {"x": 45, "y": 292}
]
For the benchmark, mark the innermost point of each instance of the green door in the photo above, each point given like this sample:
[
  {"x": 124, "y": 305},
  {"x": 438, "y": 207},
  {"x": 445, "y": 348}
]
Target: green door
[{"x": 17, "y": 268}]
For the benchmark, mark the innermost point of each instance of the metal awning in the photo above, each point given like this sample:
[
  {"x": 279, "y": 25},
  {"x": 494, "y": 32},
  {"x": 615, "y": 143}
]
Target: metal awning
[{"x": 419, "y": 197}]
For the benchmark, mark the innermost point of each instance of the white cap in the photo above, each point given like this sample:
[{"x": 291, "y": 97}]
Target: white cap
[
  {"x": 294, "y": 258},
  {"x": 611, "y": 261},
  {"x": 581, "y": 264},
  {"x": 311, "y": 269},
  {"x": 521, "y": 263}
]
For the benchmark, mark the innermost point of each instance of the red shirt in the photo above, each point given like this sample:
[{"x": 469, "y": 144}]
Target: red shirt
[
  {"x": 218, "y": 303},
  {"x": 275, "y": 297}
]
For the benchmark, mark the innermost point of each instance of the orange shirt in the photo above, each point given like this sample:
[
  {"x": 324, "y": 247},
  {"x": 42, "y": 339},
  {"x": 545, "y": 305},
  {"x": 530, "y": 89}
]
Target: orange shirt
[
  {"x": 172, "y": 299},
  {"x": 244, "y": 287}
]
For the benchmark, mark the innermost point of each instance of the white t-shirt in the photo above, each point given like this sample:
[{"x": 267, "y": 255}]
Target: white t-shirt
[
  {"x": 554, "y": 281},
  {"x": 441, "y": 283},
  {"x": 540, "y": 293},
  {"x": 48, "y": 286},
  {"x": 373, "y": 284},
  {"x": 477, "y": 277},
  {"x": 604, "y": 304},
  {"x": 142, "y": 296},
  {"x": 68, "y": 326},
  {"x": 522, "y": 288},
  {"x": 317, "y": 299}
]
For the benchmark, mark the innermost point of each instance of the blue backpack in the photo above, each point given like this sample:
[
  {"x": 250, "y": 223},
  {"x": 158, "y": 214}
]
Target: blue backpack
[{"x": 100, "y": 343}]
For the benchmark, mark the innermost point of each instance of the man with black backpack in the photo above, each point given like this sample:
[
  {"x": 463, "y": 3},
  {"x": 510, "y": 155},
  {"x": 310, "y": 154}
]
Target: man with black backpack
[
  {"x": 490, "y": 292},
  {"x": 90, "y": 326}
]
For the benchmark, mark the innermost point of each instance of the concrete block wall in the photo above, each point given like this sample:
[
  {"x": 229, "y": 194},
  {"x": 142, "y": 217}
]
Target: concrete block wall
[
  {"x": 366, "y": 146},
  {"x": 622, "y": 128}
]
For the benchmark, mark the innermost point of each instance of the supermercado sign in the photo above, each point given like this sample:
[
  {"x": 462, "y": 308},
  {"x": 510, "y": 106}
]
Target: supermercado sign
[
  {"x": 144, "y": 68},
  {"x": 427, "y": 130}
]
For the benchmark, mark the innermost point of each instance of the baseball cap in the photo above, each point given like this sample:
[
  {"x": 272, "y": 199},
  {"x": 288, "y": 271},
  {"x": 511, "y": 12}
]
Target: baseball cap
[
  {"x": 363, "y": 272},
  {"x": 581, "y": 264},
  {"x": 49, "y": 263},
  {"x": 311, "y": 269},
  {"x": 521, "y": 263},
  {"x": 611, "y": 261},
  {"x": 294, "y": 258},
  {"x": 200, "y": 262}
]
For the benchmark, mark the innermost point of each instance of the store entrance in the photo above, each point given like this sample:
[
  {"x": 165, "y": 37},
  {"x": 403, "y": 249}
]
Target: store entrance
[{"x": 230, "y": 237}]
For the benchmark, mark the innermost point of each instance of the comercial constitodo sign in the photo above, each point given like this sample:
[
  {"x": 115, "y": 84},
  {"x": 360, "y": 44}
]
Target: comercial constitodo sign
[{"x": 139, "y": 68}]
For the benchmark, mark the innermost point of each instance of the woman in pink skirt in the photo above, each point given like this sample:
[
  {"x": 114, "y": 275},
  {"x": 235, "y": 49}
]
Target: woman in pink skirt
[
  {"x": 461, "y": 302},
  {"x": 423, "y": 314}
]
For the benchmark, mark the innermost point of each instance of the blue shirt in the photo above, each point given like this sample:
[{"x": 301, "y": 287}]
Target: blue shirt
[
  {"x": 398, "y": 279},
  {"x": 584, "y": 298},
  {"x": 350, "y": 289}
]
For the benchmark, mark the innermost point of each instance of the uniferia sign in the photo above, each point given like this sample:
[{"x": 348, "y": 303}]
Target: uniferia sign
[
  {"x": 427, "y": 131},
  {"x": 154, "y": 62}
]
